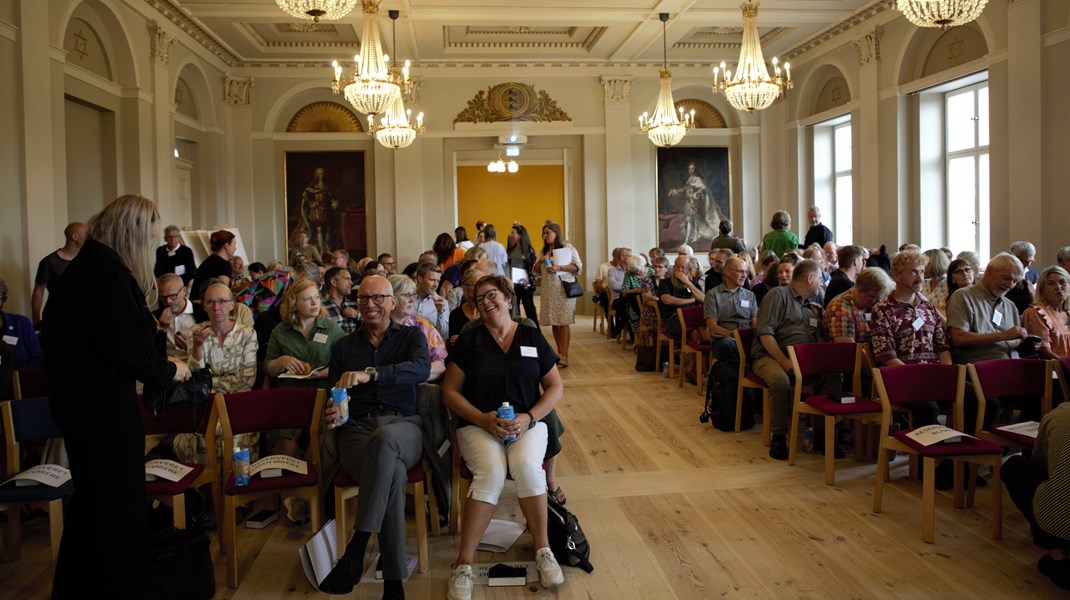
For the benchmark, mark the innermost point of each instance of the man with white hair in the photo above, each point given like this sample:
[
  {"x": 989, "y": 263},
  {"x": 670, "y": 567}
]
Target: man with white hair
[
  {"x": 685, "y": 250},
  {"x": 1063, "y": 257},
  {"x": 1027, "y": 253}
]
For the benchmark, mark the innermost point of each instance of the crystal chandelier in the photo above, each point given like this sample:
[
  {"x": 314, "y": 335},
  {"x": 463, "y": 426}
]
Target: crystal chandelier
[
  {"x": 330, "y": 10},
  {"x": 941, "y": 13},
  {"x": 665, "y": 128},
  {"x": 751, "y": 88},
  {"x": 394, "y": 129},
  {"x": 373, "y": 87}
]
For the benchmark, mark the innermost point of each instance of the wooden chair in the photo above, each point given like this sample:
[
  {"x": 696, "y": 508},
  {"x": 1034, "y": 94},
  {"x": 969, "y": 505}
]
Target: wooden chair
[
  {"x": 664, "y": 338},
  {"x": 1029, "y": 379},
  {"x": 691, "y": 320},
  {"x": 30, "y": 419},
  {"x": 173, "y": 493},
  {"x": 943, "y": 384},
  {"x": 827, "y": 359},
  {"x": 599, "y": 319},
  {"x": 264, "y": 410},
  {"x": 29, "y": 383},
  {"x": 744, "y": 339},
  {"x": 346, "y": 491}
]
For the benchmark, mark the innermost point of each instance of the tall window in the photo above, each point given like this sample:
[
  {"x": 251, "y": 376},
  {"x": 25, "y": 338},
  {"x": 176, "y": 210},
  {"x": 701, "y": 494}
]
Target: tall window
[
  {"x": 833, "y": 180},
  {"x": 966, "y": 119}
]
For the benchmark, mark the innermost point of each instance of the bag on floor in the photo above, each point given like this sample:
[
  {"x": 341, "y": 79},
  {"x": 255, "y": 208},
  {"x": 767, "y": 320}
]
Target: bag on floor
[
  {"x": 178, "y": 565},
  {"x": 721, "y": 393},
  {"x": 567, "y": 541},
  {"x": 646, "y": 357}
]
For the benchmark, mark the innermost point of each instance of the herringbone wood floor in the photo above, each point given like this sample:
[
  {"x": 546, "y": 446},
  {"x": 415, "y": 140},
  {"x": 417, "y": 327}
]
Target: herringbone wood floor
[{"x": 675, "y": 509}]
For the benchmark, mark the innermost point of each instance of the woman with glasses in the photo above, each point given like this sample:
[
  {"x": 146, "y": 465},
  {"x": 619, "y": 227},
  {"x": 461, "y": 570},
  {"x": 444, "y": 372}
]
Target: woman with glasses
[
  {"x": 404, "y": 314},
  {"x": 502, "y": 361},
  {"x": 960, "y": 274},
  {"x": 1049, "y": 317},
  {"x": 226, "y": 346},
  {"x": 466, "y": 311},
  {"x": 649, "y": 318}
]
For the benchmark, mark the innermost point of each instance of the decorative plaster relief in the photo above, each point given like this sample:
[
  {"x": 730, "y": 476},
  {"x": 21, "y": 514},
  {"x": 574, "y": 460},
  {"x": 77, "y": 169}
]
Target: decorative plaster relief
[
  {"x": 160, "y": 47},
  {"x": 511, "y": 102},
  {"x": 237, "y": 91},
  {"x": 869, "y": 47},
  {"x": 618, "y": 90}
]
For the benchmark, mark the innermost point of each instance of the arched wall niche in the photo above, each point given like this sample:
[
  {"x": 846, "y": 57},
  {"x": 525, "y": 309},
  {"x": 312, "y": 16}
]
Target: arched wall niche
[
  {"x": 819, "y": 90},
  {"x": 696, "y": 90},
  {"x": 85, "y": 49},
  {"x": 299, "y": 96},
  {"x": 325, "y": 117},
  {"x": 196, "y": 80},
  {"x": 184, "y": 100},
  {"x": 913, "y": 55},
  {"x": 953, "y": 48},
  {"x": 706, "y": 115},
  {"x": 113, "y": 34}
]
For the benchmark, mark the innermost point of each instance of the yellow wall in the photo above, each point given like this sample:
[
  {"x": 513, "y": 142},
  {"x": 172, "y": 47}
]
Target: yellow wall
[{"x": 531, "y": 195}]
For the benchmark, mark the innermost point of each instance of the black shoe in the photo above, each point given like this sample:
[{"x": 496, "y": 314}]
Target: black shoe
[
  {"x": 342, "y": 578},
  {"x": 819, "y": 445},
  {"x": 778, "y": 448},
  {"x": 1056, "y": 570}
]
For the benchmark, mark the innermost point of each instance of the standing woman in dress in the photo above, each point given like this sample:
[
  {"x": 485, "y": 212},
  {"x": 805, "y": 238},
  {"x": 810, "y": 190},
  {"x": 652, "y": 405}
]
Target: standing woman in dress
[
  {"x": 100, "y": 337},
  {"x": 557, "y": 310}
]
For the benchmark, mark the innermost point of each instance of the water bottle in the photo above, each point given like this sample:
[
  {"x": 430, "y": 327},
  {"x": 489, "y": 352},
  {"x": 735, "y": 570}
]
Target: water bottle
[
  {"x": 808, "y": 440},
  {"x": 340, "y": 398},
  {"x": 241, "y": 466},
  {"x": 505, "y": 411}
]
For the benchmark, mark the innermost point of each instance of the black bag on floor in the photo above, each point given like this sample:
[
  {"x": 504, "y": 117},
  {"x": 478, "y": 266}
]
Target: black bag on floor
[
  {"x": 567, "y": 541},
  {"x": 645, "y": 357},
  {"x": 178, "y": 565},
  {"x": 721, "y": 393}
]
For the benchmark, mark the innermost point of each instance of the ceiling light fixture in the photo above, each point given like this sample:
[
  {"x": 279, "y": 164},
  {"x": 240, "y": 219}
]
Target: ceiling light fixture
[
  {"x": 329, "y": 10},
  {"x": 941, "y": 13},
  {"x": 665, "y": 128},
  {"x": 394, "y": 129},
  {"x": 500, "y": 166},
  {"x": 751, "y": 88},
  {"x": 372, "y": 87}
]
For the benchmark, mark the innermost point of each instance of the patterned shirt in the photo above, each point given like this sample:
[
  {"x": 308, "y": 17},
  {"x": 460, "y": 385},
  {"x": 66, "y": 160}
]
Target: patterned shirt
[
  {"x": 843, "y": 319},
  {"x": 334, "y": 313},
  {"x": 732, "y": 309},
  {"x": 436, "y": 347},
  {"x": 895, "y": 335},
  {"x": 234, "y": 363}
]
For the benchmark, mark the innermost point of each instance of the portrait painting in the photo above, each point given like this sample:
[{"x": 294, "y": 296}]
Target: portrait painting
[
  {"x": 325, "y": 201},
  {"x": 692, "y": 196}
]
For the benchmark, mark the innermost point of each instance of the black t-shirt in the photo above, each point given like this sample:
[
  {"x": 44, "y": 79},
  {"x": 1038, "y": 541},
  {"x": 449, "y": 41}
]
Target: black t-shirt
[
  {"x": 492, "y": 376},
  {"x": 838, "y": 284},
  {"x": 49, "y": 269},
  {"x": 213, "y": 266},
  {"x": 817, "y": 234},
  {"x": 713, "y": 279}
]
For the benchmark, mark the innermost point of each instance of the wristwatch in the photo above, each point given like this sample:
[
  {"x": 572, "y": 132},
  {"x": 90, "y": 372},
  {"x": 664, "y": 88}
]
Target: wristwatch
[
  {"x": 531, "y": 425},
  {"x": 373, "y": 373}
]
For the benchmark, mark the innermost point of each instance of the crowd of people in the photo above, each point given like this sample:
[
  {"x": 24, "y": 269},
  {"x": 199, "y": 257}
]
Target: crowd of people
[{"x": 463, "y": 316}]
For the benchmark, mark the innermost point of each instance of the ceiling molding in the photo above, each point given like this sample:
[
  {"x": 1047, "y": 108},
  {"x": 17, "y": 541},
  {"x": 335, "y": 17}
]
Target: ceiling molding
[
  {"x": 771, "y": 35},
  {"x": 195, "y": 31},
  {"x": 836, "y": 30}
]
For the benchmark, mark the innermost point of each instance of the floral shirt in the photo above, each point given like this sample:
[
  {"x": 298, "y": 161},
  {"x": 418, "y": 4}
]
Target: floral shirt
[
  {"x": 234, "y": 363},
  {"x": 912, "y": 333},
  {"x": 843, "y": 319},
  {"x": 435, "y": 346}
]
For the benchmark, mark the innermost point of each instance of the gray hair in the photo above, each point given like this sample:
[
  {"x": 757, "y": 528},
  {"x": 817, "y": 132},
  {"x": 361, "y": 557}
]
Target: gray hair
[
  {"x": 938, "y": 262},
  {"x": 1005, "y": 262},
  {"x": 1023, "y": 250},
  {"x": 874, "y": 281},
  {"x": 1063, "y": 254},
  {"x": 401, "y": 284}
]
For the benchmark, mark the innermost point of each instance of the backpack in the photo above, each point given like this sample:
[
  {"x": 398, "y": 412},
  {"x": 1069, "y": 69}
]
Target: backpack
[
  {"x": 721, "y": 392},
  {"x": 567, "y": 541}
]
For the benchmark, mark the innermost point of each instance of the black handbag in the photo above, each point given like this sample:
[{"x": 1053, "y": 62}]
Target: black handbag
[
  {"x": 567, "y": 540},
  {"x": 572, "y": 289},
  {"x": 646, "y": 357},
  {"x": 192, "y": 394},
  {"x": 178, "y": 565}
]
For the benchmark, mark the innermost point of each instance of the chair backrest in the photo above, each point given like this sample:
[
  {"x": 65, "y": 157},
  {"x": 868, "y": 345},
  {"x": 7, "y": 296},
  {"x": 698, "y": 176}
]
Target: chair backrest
[
  {"x": 26, "y": 420},
  {"x": 744, "y": 340},
  {"x": 178, "y": 419},
  {"x": 1014, "y": 378},
  {"x": 263, "y": 410},
  {"x": 903, "y": 384},
  {"x": 1064, "y": 376},
  {"x": 30, "y": 383},
  {"x": 691, "y": 317},
  {"x": 827, "y": 358}
]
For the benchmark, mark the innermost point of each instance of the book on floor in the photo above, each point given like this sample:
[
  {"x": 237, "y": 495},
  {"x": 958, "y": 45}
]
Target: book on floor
[
  {"x": 936, "y": 434},
  {"x": 501, "y": 575},
  {"x": 262, "y": 519}
]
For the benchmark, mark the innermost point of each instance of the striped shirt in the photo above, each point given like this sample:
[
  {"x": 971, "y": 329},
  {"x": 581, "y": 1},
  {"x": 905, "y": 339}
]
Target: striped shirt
[{"x": 1052, "y": 452}]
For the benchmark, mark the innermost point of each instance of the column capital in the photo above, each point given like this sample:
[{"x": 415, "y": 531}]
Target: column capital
[
  {"x": 237, "y": 91},
  {"x": 869, "y": 46},
  {"x": 160, "y": 46},
  {"x": 618, "y": 90}
]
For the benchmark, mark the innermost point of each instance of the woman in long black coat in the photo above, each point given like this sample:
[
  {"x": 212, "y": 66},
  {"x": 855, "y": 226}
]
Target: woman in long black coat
[{"x": 100, "y": 339}]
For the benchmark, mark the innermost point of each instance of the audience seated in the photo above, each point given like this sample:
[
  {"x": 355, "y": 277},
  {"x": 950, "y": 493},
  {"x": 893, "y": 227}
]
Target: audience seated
[
  {"x": 851, "y": 262},
  {"x": 726, "y": 308},
  {"x": 404, "y": 314},
  {"x": 19, "y": 336},
  {"x": 338, "y": 283},
  {"x": 174, "y": 256},
  {"x": 175, "y": 315},
  {"x": 682, "y": 289},
  {"x": 1049, "y": 317}
]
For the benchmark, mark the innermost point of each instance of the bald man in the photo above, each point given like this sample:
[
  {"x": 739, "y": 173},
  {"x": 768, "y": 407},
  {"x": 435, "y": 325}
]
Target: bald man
[{"x": 53, "y": 265}]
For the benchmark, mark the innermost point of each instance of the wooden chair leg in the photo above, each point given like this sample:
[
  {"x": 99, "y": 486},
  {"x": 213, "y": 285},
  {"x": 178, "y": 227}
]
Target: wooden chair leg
[
  {"x": 767, "y": 420},
  {"x": 178, "y": 510},
  {"x": 217, "y": 505},
  {"x": 882, "y": 476},
  {"x": 419, "y": 504},
  {"x": 341, "y": 528},
  {"x": 14, "y": 531},
  {"x": 928, "y": 501},
  {"x": 793, "y": 434},
  {"x": 432, "y": 501},
  {"x": 230, "y": 534},
  {"x": 830, "y": 450},
  {"x": 740, "y": 390},
  {"x": 55, "y": 527},
  {"x": 997, "y": 500},
  {"x": 315, "y": 510}
]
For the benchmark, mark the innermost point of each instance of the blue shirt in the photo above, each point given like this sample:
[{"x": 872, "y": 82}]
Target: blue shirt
[{"x": 22, "y": 340}]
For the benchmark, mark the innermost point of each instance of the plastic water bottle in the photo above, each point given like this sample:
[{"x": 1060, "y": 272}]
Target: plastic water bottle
[
  {"x": 340, "y": 398},
  {"x": 241, "y": 466},
  {"x": 505, "y": 411},
  {"x": 808, "y": 440}
]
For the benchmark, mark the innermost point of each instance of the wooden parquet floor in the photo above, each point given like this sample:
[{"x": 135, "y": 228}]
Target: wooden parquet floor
[{"x": 677, "y": 510}]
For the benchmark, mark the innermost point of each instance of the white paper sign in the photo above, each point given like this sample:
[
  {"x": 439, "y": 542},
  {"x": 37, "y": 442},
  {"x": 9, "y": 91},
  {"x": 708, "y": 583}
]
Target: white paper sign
[
  {"x": 50, "y": 475},
  {"x": 319, "y": 338},
  {"x": 318, "y": 555},
  {"x": 279, "y": 461},
  {"x": 500, "y": 535},
  {"x": 518, "y": 275},
  {"x": 562, "y": 256},
  {"x": 180, "y": 270},
  {"x": 997, "y": 318},
  {"x": 918, "y": 323},
  {"x": 166, "y": 469},
  {"x": 11, "y": 340},
  {"x": 744, "y": 303},
  {"x": 1028, "y": 428},
  {"x": 934, "y": 434}
]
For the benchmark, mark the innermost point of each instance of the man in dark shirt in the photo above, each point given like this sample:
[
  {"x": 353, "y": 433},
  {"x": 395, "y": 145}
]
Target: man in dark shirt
[
  {"x": 715, "y": 274},
  {"x": 818, "y": 233},
  {"x": 174, "y": 256},
  {"x": 381, "y": 363},
  {"x": 851, "y": 260},
  {"x": 682, "y": 289},
  {"x": 53, "y": 265}
]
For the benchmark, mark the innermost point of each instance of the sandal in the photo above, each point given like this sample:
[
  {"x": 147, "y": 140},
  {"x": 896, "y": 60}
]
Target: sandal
[
  {"x": 558, "y": 495},
  {"x": 562, "y": 361}
]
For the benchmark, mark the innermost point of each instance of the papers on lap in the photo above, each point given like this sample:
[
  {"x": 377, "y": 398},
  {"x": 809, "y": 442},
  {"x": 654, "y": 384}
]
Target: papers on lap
[
  {"x": 50, "y": 475},
  {"x": 289, "y": 375},
  {"x": 936, "y": 434},
  {"x": 165, "y": 469},
  {"x": 1028, "y": 428}
]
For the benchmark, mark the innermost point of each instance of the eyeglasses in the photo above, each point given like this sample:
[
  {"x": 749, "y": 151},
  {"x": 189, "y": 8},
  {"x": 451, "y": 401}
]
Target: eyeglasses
[
  {"x": 408, "y": 295},
  {"x": 388, "y": 264},
  {"x": 170, "y": 297},
  {"x": 211, "y": 303},
  {"x": 962, "y": 270},
  {"x": 490, "y": 295},
  {"x": 376, "y": 299}
]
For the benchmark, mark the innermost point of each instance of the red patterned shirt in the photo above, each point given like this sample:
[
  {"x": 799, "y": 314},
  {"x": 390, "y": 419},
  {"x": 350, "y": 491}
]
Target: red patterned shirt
[
  {"x": 844, "y": 319},
  {"x": 912, "y": 333}
]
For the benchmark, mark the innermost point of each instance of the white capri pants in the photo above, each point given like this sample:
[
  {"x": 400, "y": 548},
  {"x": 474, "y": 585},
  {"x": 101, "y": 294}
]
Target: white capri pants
[{"x": 490, "y": 460}]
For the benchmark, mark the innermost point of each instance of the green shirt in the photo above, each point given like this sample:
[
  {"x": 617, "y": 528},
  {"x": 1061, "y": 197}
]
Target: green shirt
[
  {"x": 779, "y": 241},
  {"x": 314, "y": 348}
]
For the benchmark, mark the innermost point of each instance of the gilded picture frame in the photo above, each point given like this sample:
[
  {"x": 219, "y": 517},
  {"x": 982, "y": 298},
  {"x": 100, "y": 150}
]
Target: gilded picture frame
[
  {"x": 326, "y": 198},
  {"x": 693, "y": 196}
]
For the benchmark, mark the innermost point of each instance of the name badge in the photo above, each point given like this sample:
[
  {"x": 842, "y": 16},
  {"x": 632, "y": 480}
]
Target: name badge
[
  {"x": 11, "y": 340},
  {"x": 813, "y": 322},
  {"x": 180, "y": 270},
  {"x": 918, "y": 323},
  {"x": 529, "y": 352},
  {"x": 867, "y": 317},
  {"x": 216, "y": 355},
  {"x": 320, "y": 338},
  {"x": 744, "y": 303},
  {"x": 997, "y": 318}
]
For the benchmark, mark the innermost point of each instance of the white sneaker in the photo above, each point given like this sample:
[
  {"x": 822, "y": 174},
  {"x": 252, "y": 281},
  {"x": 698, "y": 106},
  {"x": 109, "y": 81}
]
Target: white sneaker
[
  {"x": 460, "y": 585},
  {"x": 550, "y": 574}
]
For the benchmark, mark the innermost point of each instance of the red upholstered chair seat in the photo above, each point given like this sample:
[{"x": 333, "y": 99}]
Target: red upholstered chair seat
[
  {"x": 831, "y": 407},
  {"x": 163, "y": 487}
]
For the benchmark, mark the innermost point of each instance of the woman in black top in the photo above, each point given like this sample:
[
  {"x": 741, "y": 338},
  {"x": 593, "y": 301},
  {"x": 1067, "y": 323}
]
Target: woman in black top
[
  {"x": 498, "y": 362},
  {"x": 217, "y": 266},
  {"x": 99, "y": 338},
  {"x": 522, "y": 256}
]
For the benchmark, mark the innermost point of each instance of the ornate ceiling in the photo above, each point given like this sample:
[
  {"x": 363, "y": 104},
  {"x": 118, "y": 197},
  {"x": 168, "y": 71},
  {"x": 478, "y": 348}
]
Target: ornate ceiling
[{"x": 442, "y": 32}]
